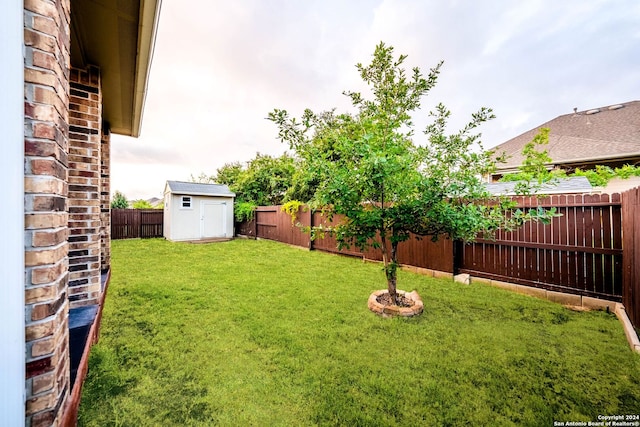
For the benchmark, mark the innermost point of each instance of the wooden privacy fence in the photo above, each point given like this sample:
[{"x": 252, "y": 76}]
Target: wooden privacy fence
[
  {"x": 271, "y": 223},
  {"x": 631, "y": 255},
  {"x": 136, "y": 223},
  {"x": 579, "y": 251},
  {"x": 592, "y": 249}
]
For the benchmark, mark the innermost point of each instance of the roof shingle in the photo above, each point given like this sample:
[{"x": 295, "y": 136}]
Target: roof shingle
[
  {"x": 613, "y": 132},
  {"x": 197, "y": 189}
]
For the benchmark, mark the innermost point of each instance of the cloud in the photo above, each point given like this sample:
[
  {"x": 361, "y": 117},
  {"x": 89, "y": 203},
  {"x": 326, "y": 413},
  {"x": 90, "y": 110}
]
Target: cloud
[{"x": 218, "y": 72}]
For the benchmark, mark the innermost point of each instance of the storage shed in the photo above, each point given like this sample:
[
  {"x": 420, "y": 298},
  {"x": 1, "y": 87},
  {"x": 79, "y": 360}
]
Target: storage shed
[{"x": 195, "y": 211}]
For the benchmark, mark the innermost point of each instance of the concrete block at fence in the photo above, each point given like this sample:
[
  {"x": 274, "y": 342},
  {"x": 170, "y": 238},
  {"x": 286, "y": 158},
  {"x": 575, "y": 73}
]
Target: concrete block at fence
[
  {"x": 599, "y": 304},
  {"x": 442, "y": 275},
  {"x": 562, "y": 298},
  {"x": 465, "y": 279},
  {"x": 499, "y": 284},
  {"x": 481, "y": 281},
  {"x": 534, "y": 292}
]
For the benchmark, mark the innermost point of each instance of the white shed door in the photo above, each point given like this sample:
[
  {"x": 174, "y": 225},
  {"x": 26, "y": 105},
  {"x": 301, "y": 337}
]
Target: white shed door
[{"x": 213, "y": 219}]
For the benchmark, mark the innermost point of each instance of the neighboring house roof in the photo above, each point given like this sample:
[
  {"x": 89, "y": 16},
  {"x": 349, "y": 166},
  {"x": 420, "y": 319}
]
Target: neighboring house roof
[
  {"x": 117, "y": 36},
  {"x": 196, "y": 189},
  {"x": 154, "y": 201},
  {"x": 584, "y": 137},
  {"x": 577, "y": 184}
]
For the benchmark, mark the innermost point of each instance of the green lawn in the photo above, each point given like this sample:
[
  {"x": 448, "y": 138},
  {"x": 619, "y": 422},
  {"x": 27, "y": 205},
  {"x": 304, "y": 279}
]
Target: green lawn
[{"x": 259, "y": 333}]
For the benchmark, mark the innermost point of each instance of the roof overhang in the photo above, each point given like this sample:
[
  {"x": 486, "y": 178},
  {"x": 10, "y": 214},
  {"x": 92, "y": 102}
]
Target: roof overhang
[{"x": 119, "y": 37}]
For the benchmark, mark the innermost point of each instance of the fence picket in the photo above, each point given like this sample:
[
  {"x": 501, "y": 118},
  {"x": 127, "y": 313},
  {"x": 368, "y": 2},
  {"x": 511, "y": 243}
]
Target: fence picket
[{"x": 136, "y": 223}]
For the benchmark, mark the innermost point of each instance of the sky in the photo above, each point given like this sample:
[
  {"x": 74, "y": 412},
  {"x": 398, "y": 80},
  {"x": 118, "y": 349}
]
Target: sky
[{"x": 219, "y": 68}]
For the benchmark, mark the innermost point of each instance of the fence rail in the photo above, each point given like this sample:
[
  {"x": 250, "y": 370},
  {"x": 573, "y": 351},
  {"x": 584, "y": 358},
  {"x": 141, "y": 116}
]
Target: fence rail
[
  {"x": 136, "y": 223},
  {"x": 584, "y": 251},
  {"x": 579, "y": 251}
]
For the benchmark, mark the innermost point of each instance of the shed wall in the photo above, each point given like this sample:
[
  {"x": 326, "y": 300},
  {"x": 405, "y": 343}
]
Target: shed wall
[{"x": 186, "y": 223}]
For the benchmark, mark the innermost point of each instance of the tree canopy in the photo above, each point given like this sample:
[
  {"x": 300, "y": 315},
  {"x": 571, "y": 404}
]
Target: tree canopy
[
  {"x": 143, "y": 204},
  {"x": 367, "y": 167},
  {"x": 119, "y": 201}
]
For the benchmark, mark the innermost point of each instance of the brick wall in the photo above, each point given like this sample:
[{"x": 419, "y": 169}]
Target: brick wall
[
  {"x": 85, "y": 129},
  {"x": 46, "y": 91},
  {"x": 105, "y": 199}
]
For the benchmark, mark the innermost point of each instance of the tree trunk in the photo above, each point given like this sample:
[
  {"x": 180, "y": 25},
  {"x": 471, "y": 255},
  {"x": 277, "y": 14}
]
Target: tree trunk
[{"x": 390, "y": 259}]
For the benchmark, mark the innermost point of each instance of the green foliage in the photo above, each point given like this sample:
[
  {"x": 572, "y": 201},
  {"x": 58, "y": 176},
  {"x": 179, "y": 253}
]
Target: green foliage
[
  {"x": 266, "y": 179},
  {"x": 244, "y": 211},
  {"x": 229, "y": 174},
  {"x": 292, "y": 208},
  {"x": 368, "y": 168},
  {"x": 601, "y": 175},
  {"x": 535, "y": 161},
  {"x": 534, "y": 168},
  {"x": 533, "y": 171},
  {"x": 142, "y": 204},
  {"x": 263, "y": 181},
  {"x": 256, "y": 333},
  {"x": 627, "y": 171},
  {"x": 598, "y": 177},
  {"x": 119, "y": 201},
  {"x": 203, "y": 178}
]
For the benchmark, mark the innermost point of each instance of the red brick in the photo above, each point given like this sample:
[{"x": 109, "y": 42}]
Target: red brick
[
  {"x": 44, "y": 60},
  {"x": 44, "y": 184},
  {"x": 42, "y": 311},
  {"x": 40, "y": 220},
  {"x": 37, "y": 404},
  {"x": 43, "y": 419},
  {"x": 38, "y": 367},
  {"x": 49, "y": 238},
  {"x": 46, "y": 78},
  {"x": 44, "y": 130},
  {"x": 50, "y": 167},
  {"x": 34, "y": 258},
  {"x": 45, "y": 25},
  {"x": 40, "y": 276},
  {"x": 44, "y": 112},
  {"x": 43, "y": 383},
  {"x": 39, "y": 41},
  {"x": 41, "y": 8}
]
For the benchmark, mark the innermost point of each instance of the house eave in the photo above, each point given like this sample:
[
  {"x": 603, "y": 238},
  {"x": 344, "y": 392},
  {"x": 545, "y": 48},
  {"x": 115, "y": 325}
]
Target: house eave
[
  {"x": 119, "y": 38},
  {"x": 149, "y": 16}
]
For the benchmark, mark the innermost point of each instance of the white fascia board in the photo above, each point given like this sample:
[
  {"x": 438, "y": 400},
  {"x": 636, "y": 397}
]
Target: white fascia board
[{"x": 12, "y": 317}]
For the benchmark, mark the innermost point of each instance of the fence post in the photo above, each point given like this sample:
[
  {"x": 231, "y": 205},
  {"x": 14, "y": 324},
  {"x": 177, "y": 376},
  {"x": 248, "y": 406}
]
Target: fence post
[
  {"x": 255, "y": 224},
  {"x": 458, "y": 253},
  {"x": 310, "y": 227}
]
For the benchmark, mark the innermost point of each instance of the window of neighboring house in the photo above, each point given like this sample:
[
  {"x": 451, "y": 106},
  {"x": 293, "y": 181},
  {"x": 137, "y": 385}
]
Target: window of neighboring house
[{"x": 186, "y": 202}]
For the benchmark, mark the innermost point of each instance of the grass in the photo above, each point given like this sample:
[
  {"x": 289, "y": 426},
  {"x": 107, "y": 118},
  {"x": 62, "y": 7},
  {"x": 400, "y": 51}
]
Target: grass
[{"x": 259, "y": 333}]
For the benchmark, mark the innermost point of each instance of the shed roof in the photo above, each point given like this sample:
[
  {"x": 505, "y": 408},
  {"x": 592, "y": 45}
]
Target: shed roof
[
  {"x": 574, "y": 184},
  {"x": 197, "y": 189},
  {"x": 595, "y": 135}
]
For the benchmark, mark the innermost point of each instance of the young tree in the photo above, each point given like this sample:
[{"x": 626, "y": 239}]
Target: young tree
[
  {"x": 119, "y": 201},
  {"x": 369, "y": 169},
  {"x": 203, "y": 178},
  {"x": 533, "y": 172}
]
